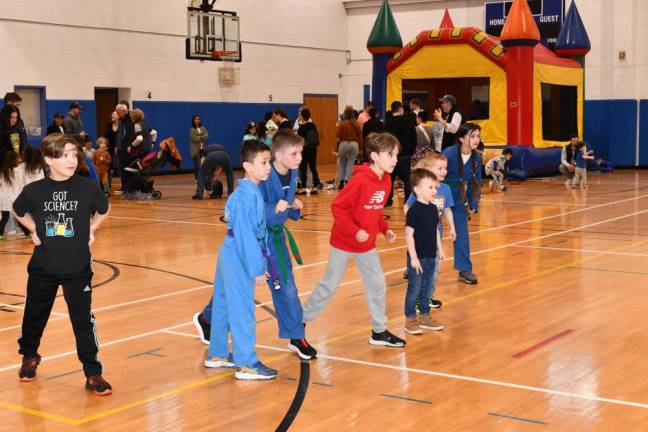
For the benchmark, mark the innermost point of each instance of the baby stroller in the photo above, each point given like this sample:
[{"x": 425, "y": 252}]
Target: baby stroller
[{"x": 138, "y": 182}]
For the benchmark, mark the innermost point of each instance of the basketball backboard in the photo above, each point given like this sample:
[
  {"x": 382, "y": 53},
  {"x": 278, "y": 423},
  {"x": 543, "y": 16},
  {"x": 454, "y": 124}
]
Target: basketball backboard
[{"x": 212, "y": 31}]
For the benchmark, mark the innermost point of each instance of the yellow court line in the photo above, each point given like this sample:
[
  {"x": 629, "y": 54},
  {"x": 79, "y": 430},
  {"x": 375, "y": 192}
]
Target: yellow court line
[
  {"x": 121, "y": 408},
  {"x": 38, "y": 413},
  {"x": 489, "y": 289}
]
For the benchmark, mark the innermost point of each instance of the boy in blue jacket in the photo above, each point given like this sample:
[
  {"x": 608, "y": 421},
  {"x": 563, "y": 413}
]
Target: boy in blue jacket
[
  {"x": 279, "y": 196},
  {"x": 241, "y": 266}
]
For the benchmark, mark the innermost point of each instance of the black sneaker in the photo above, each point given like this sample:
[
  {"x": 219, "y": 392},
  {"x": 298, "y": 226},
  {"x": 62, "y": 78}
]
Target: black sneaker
[
  {"x": 197, "y": 197},
  {"x": 435, "y": 304},
  {"x": 386, "y": 339},
  {"x": 98, "y": 385},
  {"x": 28, "y": 369},
  {"x": 203, "y": 327},
  {"x": 320, "y": 186},
  {"x": 468, "y": 278},
  {"x": 302, "y": 348}
]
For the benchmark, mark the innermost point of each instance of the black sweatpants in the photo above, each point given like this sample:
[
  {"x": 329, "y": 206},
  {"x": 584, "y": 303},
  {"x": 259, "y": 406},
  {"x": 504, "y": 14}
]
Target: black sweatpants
[
  {"x": 402, "y": 171},
  {"x": 41, "y": 293},
  {"x": 309, "y": 160}
]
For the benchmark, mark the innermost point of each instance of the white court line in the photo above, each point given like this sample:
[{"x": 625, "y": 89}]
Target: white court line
[
  {"x": 207, "y": 223},
  {"x": 633, "y": 254},
  {"x": 63, "y": 315},
  {"x": 103, "y": 345},
  {"x": 177, "y": 333},
  {"x": 473, "y": 379},
  {"x": 555, "y": 203}
]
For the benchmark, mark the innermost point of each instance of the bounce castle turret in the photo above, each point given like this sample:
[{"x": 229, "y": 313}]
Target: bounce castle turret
[{"x": 530, "y": 98}]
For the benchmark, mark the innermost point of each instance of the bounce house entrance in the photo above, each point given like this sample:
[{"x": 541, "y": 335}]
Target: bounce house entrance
[
  {"x": 559, "y": 112},
  {"x": 472, "y": 94}
]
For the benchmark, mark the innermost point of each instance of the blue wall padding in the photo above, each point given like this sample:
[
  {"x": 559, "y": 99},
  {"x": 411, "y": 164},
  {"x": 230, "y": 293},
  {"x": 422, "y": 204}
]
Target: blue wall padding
[
  {"x": 611, "y": 130},
  {"x": 224, "y": 121},
  {"x": 643, "y": 133}
]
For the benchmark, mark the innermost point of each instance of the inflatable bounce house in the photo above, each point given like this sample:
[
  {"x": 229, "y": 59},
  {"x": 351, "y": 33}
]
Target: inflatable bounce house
[{"x": 523, "y": 94}]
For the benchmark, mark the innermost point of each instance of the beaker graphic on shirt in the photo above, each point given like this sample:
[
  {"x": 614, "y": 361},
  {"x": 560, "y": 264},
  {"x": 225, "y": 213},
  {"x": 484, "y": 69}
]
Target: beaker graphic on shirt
[
  {"x": 50, "y": 228},
  {"x": 69, "y": 228},
  {"x": 60, "y": 224}
]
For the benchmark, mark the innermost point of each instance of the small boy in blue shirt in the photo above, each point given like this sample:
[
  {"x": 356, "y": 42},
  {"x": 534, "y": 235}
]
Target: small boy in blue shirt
[
  {"x": 580, "y": 174},
  {"x": 241, "y": 267},
  {"x": 424, "y": 249}
]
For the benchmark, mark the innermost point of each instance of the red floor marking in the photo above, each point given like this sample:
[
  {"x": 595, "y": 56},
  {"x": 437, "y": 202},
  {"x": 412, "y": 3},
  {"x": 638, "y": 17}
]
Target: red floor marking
[{"x": 541, "y": 344}]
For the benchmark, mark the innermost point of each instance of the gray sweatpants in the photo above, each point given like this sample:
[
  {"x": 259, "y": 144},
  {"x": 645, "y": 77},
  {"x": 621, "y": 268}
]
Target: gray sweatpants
[{"x": 372, "y": 275}]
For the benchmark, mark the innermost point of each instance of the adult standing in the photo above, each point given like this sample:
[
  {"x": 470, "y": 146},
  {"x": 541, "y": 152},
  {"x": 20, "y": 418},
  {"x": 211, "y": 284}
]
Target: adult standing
[
  {"x": 110, "y": 133},
  {"x": 280, "y": 118},
  {"x": 197, "y": 137},
  {"x": 373, "y": 125},
  {"x": 424, "y": 138},
  {"x": 464, "y": 179},
  {"x": 125, "y": 136},
  {"x": 403, "y": 129},
  {"x": 73, "y": 125},
  {"x": 365, "y": 115},
  {"x": 568, "y": 159},
  {"x": 15, "y": 100},
  {"x": 349, "y": 135},
  {"x": 450, "y": 118},
  {"x": 308, "y": 132},
  {"x": 57, "y": 124},
  {"x": 143, "y": 140},
  {"x": 11, "y": 140}
]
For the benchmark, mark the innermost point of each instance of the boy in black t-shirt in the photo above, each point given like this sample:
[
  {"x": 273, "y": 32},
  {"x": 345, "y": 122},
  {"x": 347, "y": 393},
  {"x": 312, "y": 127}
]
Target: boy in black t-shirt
[
  {"x": 423, "y": 241},
  {"x": 63, "y": 212}
]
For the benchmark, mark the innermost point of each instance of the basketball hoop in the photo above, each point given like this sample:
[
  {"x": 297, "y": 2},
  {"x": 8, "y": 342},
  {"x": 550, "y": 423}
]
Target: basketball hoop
[
  {"x": 230, "y": 56},
  {"x": 228, "y": 75}
]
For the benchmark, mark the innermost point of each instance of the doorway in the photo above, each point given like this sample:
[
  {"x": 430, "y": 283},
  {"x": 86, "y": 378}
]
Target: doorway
[
  {"x": 324, "y": 112},
  {"x": 106, "y": 100}
]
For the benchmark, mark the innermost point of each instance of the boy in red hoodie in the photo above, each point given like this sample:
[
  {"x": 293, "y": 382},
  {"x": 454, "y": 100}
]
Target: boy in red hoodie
[{"x": 357, "y": 220}]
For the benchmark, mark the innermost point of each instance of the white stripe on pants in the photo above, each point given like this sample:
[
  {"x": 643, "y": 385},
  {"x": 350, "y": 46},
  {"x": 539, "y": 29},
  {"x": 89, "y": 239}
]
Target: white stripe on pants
[{"x": 371, "y": 272}]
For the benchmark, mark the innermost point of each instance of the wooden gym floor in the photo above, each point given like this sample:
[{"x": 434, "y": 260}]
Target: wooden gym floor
[{"x": 553, "y": 337}]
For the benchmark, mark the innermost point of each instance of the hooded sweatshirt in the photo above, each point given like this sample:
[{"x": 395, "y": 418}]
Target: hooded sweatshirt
[{"x": 359, "y": 206}]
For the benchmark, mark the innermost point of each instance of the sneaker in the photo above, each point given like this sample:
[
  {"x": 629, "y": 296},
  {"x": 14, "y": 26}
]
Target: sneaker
[
  {"x": 28, "y": 369},
  {"x": 567, "y": 182},
  {"x": 219, "y": 362},
  {"x": 341, "y": 185},
  {"x": 313, "y": 192},
  {"x": 203, "y": 327},
  {"x": 302, "y": 348},
  {"x": 258, "y": 371},
  {"x": 504, "y": 188},
  {"x": 412, "y": 326},
  {"x": 468, "y": 278},
  {"x": 98, "y": 385},
  {"x": 320, "y": 186},
  {"x": 329, "y": 186},
  {"x": 386, "y": 339},
  {"x": 197, "y": 197},
  {"x": 435, "y": 303},
  {"x": 426, "y": 322}
]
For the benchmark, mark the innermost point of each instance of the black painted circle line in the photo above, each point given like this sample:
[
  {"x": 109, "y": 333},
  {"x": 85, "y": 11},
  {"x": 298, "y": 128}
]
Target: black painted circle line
[{"x": 300, "y": 395}]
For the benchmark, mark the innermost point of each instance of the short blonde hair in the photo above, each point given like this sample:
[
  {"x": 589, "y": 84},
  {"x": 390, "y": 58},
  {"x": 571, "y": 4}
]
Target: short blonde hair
[
  {"x": 430, "y": 158},
  {"x": 102, "y": 140}
]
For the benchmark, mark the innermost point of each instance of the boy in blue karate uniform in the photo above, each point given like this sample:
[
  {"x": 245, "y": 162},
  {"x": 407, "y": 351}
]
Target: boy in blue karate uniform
[
  {"x": 279, "y": 196},
  {"x": 241, "y": 266},
  {"x": 464, "y": 179}
]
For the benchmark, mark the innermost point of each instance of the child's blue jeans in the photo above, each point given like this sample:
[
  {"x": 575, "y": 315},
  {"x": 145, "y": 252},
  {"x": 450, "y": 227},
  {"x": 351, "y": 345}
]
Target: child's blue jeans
[{"x": 420, "y": 286}]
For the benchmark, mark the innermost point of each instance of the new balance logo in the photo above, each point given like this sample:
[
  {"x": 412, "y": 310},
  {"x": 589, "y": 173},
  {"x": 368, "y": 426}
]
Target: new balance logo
[
  {"x": 377, "y": 197},
  {"x": 86, "y": 289}
]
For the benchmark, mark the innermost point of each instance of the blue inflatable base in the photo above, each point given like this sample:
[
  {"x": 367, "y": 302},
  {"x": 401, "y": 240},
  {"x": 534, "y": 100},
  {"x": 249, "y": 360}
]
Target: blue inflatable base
[{"x": 535, "y": 162}]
